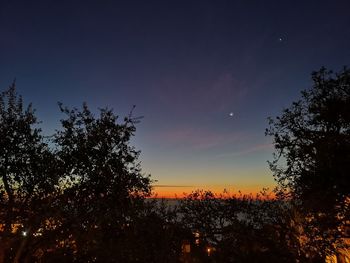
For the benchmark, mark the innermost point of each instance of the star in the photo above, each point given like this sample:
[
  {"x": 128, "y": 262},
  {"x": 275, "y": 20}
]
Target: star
[{"x": 231, "y": 114}]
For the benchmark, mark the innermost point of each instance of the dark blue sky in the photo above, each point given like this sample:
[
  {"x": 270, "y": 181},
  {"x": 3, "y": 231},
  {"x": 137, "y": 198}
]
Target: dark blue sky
[{"x": 185, "y": 65}]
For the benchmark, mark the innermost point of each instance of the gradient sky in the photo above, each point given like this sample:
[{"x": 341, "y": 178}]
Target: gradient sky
[{"x": 186, "y": 65}]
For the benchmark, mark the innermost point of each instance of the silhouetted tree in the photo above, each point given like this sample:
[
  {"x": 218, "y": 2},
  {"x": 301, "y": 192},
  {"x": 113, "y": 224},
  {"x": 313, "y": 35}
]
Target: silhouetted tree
[
  {"x": 312, "y": 158},
  {"x": 155, "y": 236},
  {"x": 27, "y": 180},
  {"x": 103, "y": 187},
  {"x": 82, "y": 199},
  {"x": 204, "y": 212},
  {"x": 242, "y": 228}
]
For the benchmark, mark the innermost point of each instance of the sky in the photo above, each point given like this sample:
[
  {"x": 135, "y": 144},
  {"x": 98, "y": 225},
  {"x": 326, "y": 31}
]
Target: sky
[{"x": 204, "y": 74}]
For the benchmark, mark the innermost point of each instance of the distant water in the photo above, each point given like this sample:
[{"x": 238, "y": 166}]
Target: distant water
[{"x": 171, "y": 202}]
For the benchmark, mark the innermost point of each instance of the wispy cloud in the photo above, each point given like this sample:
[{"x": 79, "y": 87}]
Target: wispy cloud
[
  {"x": 197, "y": 139},
  {"x": 256, "y": 148},
  {"x": 249, "y": 150}
]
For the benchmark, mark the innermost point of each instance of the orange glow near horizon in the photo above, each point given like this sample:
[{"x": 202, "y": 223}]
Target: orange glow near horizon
[{"x": 182, "y": 191}]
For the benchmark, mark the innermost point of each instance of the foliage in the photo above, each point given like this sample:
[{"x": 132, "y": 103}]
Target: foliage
[
  {"x": 155, "y": 236},
  {"x": 312, "y": 158},
  {"x": 102, "y": 185},
  {"x": 75, "y": 200},
  {"x": 241, "y": 228},
  {"x": 28, "y": 180}
]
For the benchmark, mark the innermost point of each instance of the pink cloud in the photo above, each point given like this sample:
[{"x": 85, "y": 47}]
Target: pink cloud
[
  {"x": 249, "y": 150},
  {"x": 197, "y": 139},
  {"x": 256, "y": 148}
]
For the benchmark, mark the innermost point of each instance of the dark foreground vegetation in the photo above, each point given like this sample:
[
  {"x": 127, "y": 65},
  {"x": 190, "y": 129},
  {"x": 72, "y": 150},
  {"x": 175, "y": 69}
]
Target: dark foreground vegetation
[{"x": 80, "y": 195}]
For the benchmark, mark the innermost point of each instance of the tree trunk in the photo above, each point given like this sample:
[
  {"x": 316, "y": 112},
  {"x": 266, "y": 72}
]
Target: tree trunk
[
  {"x": 22, "y": 247},
  {"x": 2, "y": 251}
]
